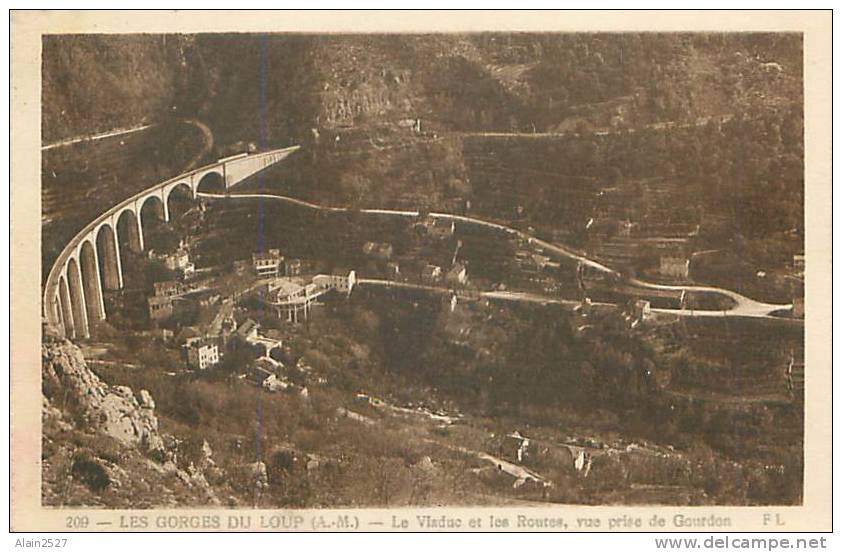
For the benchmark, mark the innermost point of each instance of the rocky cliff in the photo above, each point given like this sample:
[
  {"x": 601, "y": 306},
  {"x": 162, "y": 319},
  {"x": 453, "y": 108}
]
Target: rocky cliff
[
  {"x": 101, "y": 445},
  {"x": 71, "y": 389}
]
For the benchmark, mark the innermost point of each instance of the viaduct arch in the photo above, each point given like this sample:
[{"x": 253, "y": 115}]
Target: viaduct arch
[{"x": 92, "y": 261}]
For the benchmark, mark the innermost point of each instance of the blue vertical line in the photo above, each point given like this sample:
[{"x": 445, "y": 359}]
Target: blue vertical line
[
  {"x": 263, "y": 138},
  {"x": 261, "y": 229},
  {"x": 258, "y": 448}
]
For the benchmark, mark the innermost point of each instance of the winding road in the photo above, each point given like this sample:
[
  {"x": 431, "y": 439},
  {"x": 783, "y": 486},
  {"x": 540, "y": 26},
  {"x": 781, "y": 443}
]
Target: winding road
[
  {"x": 95, "y": 137},
  {"x": 743, "y": 306}
]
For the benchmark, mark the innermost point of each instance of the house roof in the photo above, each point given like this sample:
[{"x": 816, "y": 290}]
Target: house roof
[
  {"x": 272, "y": 254},
  {"x": 283, "y": 287},
  {"x": 159, "y": 299},
  {"x": 456, "y": 268},
  {"x": 429, "y": 270},
  {"x": 374, "y": 247},
  {"x": 263, "y": 367},
  {"x": 186, "y": 333},
  {"x": 197, "y": 342},
  {"x": 247, "y": 326}
]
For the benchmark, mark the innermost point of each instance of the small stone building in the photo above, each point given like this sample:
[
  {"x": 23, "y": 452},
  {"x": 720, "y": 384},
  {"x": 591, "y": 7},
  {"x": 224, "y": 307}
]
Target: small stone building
[
  {"x": 798, "y": 264},
  {"x": 382, "y": 251},
  {"x": 642, "y": 309},
  {"x": 267, "y": 264},
  {"x": 178, "y": 261},
  {"x": 431, "y": 274},
  {"x": 160, "y": 307},
  {"x": 168, "y": 288},
  {"x": 458, "y": 274},
  {"x": 201, "y": 353},
  {"x": 292, "y": 267}
]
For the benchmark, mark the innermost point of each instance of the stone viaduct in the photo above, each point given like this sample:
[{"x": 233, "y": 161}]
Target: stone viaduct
[{"x": 91, "y": 261}]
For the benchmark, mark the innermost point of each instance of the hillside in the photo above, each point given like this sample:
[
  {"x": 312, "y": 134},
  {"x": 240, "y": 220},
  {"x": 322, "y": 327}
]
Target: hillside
[
  {"x": 273, "y": 88},
  {"x": 574, "y": 197}
]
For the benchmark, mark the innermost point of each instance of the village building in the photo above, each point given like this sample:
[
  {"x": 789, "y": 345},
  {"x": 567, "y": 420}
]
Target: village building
[
  {"x": 259, "y": 371},
  {"x": 292, "y": 267},
  {"x": 249, "y": 333},
  {"x": 675, "y": 267},
  {"x": 178, "y": 261},
  {"x": 160, "y": 334},
  {"x": 516, "y": 447},
  {"x": 288, "y": 299},
  {"x": 798, "y": 264},
  {"x": 585, "y": 306},
  {"x": 168, "y": 288},
  {"x": 393, "y": 270},
  {"x": 458, "y": 274},
  {"x": 201, "y": 353},
  {"x": 160, "y": 307},
  {"x": 382, "y": 251},
  {"x": 542, "y": 262},
  {"x": 642, "y": 309},
  {"x": 431, "y": 274},
  {"x": 267, "y": 264},
  {"x": 413, "y": 124},
  {"x": 210, "y": 300},
  {"x": 186, "y": 334},
  {"x": 291, "y": 299},
  {"x": 437, "y": 228},
  {"x": 274, "y": 383},
  {"x": 342, "y": 284},
  {"x": 264, "y": 373},
  {"x": 247, "y": 337},
  {"x": 247, "y": 330}
]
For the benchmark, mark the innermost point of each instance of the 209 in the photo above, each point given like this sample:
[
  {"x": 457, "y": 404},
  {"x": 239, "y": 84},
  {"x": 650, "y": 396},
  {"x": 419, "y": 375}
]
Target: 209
[{"x": 77, "y": 522}]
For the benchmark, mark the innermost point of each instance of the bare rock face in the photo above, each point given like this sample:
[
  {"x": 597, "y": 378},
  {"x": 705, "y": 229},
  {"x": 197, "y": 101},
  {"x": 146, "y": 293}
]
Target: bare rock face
[{"x": 70, "y": 385}]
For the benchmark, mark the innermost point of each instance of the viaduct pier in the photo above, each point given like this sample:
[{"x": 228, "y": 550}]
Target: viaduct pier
[{"x": 91, "y": 260}]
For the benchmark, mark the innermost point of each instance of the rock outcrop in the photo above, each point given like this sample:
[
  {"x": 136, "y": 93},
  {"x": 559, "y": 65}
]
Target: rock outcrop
[
  {"x": 71, "y": 387},
  {"x": 102, "y": 447}
]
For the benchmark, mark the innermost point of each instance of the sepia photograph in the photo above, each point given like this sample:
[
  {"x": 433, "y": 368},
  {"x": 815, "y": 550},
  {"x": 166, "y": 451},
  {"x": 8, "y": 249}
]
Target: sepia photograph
[{"x": 353, "y": 270}]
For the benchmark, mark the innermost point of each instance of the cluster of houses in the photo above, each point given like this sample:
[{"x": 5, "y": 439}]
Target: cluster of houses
[
  {"x": 162, "y": 303},
  {"x": 270, "y": 264},
  {"x": 532, "y": 259},
  {"x": 456, "y": 275},
  {"x": 291, "y": 299},
  {"x": 205, "y": 349},
  {"x": 435, "y": 228},
  {"x": 178, "y": 261},
  {"x": 266, "y": 355},
  {"x": 587, "y": 455},
  {"x": 429, "y": 229}
]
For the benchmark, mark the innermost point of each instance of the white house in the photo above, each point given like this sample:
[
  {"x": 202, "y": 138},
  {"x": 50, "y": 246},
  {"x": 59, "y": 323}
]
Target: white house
[
  {"x": 202, "y": 353},
  {"x": 267, "y": 263}
]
